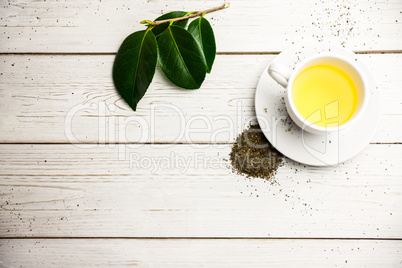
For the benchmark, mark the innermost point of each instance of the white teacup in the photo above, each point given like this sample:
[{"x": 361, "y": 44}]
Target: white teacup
[{"x": 285, "y": 77}]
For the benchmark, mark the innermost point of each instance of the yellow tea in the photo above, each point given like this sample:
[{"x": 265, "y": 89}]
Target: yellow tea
[{"x": 324, "y": 94}]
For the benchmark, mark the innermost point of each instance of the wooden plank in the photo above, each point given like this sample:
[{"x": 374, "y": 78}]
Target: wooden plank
[
  {"x": 195, "y": 252},
  {"x": 189, "y": 191},
  {"x": 264, "y": 25},
  {"x": 59, "y": 99}
]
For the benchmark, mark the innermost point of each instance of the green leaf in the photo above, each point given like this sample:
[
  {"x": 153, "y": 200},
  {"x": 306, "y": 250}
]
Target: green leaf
[
  {"x": 134, "y": 66},
  {"x": 203, "y": 33},
  {"x": 181, "y": 58},
  {"x": 171, "y": 15}
]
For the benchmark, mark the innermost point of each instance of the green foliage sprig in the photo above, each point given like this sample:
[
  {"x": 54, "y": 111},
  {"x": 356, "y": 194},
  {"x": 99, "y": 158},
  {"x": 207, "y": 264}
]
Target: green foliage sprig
[{"x": 184, "y": 55}]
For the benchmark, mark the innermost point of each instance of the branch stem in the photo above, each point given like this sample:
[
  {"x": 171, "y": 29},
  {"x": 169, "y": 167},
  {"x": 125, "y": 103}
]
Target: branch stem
[{"x": 192, "y": 15}]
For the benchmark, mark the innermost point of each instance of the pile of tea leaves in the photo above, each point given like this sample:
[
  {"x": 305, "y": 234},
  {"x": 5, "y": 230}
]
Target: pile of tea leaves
[{"x": 253, "y": 156}]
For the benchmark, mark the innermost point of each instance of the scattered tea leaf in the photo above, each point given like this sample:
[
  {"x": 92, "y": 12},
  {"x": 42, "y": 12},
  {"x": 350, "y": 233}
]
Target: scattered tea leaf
[{"x": 252, "y": 155}]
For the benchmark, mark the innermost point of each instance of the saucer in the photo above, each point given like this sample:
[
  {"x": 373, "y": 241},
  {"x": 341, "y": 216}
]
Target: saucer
[{"x": 328, "y": 149}]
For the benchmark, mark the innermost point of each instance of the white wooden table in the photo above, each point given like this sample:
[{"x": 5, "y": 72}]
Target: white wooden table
[{"x": 78, "y": 187}]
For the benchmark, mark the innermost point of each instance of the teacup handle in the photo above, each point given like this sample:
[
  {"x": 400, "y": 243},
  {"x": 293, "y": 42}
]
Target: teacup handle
[{"x": 280, "y": 73}]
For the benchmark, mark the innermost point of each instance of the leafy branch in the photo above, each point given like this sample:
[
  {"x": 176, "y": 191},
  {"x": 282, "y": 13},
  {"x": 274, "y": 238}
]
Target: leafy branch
[
  {"x": 184, "y": 55},
  {"x": 188, "y": 16}
]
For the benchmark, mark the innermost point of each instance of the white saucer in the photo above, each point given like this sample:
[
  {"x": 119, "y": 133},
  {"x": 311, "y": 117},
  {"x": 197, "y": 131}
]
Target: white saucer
[{"x": 304, "y": 147}]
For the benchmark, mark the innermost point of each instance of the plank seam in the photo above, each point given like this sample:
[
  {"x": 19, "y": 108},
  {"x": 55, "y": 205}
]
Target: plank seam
[
  {"x": 218, "y": 53},
  {"x": 147, "y": 143},
  {"x": 206, "y": 238}
]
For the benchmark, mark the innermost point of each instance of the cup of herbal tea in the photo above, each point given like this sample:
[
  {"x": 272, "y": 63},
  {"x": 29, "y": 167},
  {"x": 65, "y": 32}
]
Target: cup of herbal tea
[{"x": 324, "y": 93}]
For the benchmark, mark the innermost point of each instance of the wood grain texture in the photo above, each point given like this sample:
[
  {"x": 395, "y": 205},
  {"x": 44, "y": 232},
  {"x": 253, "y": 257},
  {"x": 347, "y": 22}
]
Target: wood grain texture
[
  {"x": 189, "y": 253},
  {"x": 57, "y": 99},
  {"x": 188, "y": 191},
  {"x": 264, "y": 25},
  {"x": 58, "y": 196}
]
